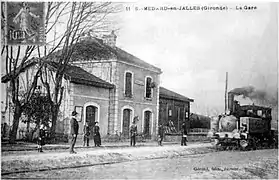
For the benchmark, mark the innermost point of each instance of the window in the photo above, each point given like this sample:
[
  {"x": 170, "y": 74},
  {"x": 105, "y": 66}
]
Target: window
[
  {"x": 128, "y": 84},
  {"x": 170, "y": 112},
  {"x": 260, "y": 113},
  {"x": 148, "y": 88},
  {"x": 249, "y": 112}
]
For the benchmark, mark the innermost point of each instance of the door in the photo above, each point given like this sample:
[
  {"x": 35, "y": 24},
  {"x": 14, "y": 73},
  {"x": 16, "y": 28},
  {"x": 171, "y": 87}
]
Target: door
[
  {"x": 126, "y": 122},
  {"x": 90, "y": 118},
  {"x": 147, "y": 123}
]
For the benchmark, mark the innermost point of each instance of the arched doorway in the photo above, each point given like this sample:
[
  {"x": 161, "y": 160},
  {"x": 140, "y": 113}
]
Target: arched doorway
[
  {"x": 91, "y": 117},
  {"x": 147, "y": 124},
  {"x": 127, "y": 115}
]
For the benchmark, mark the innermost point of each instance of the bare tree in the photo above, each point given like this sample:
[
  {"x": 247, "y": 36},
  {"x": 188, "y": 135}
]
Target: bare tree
[
  {"x": 14, "y": 66},
  {"x": 17, "y": 60},
  {"x": 82, "y": 17},
  {"x": 79, "y": 18}
]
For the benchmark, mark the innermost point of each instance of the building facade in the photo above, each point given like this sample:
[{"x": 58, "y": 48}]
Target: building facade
[
  {"x": 89, "y": 96},
  {"x": 106, "y": 84},
  {"x": 83, "y": 92},
  {"x": 136, "y": 91},
  {"x": 174, "y": 107}
]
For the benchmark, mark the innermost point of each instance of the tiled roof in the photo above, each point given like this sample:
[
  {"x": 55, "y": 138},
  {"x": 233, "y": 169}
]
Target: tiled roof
[
  {"x": 168, "y": 94},
  {"x": 6, "y": 78},
  {"x": 95, "y": 49},
  {"x": 78, "y": 75},
  {"x": 75, "y": 74}
]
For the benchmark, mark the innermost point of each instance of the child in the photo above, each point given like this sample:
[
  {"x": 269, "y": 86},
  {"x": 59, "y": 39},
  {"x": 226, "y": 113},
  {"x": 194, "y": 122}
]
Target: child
[{"x": 41, "y": 138}]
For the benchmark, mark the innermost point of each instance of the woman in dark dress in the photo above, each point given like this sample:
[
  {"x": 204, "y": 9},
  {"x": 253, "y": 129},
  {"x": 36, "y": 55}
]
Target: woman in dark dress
[{"x": 97, "y": 136}]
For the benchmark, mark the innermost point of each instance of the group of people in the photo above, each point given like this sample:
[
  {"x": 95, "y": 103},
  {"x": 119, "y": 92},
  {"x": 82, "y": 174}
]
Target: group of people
[
  {"x": 86, "y": 133},
  {"x": 161, "y": 132},
  {"x": 97, "y": 137}
]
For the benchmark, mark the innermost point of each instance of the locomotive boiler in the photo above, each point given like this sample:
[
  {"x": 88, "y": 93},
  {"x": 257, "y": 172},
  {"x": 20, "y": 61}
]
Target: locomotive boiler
[{"x": 245, "y": 127}]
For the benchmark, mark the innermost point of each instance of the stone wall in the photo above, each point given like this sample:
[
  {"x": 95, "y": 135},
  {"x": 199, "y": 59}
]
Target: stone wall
[
  {"x": 138, "y": 103},
  {"x": 84, "y": 96}
]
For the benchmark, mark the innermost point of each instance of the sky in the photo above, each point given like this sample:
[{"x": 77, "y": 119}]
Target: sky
[{"x": 195, "y": 49}]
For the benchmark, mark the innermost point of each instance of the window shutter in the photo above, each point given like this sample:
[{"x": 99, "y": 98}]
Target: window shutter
[
  {"x": 148, "y": 87},
  {"x": 128, "y": 84}
]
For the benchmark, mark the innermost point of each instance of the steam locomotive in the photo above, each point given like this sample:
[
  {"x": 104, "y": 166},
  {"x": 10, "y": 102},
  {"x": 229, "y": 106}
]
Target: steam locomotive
[{"x": 244, "y": 127}]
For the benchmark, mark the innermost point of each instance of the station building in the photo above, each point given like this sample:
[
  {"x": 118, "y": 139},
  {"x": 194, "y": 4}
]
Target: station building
[{"x": 106, "y": 84}]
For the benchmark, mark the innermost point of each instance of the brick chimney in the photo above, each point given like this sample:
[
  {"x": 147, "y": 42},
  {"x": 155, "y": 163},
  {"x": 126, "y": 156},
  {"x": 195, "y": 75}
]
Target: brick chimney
[
  {"x": 110, "y": 39},
  {"x": 86, "y": 36}
]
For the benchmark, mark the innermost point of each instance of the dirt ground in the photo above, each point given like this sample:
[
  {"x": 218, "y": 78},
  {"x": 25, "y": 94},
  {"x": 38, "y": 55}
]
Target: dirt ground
[
  {"x": 259, "y": 164},
  {"x": 34, "y": 161}
]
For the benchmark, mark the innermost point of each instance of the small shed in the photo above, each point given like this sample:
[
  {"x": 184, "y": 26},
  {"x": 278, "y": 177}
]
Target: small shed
[{"x": 174, "y": 107}]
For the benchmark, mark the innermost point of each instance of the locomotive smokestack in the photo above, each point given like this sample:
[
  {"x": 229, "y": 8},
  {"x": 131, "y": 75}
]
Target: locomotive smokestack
[
  {"x": 231, "y": 101},
  {"x": 226, "y": 93}
]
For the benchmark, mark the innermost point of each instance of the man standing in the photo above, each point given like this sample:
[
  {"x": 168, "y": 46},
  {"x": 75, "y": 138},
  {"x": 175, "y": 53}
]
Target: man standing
[
  {"x": 184, "y": 134},
  {"x": 160, "y": 134},
  {"x": 41, "y": 138},
  {"x": 133, "y": 131},
  {"x": 86, "y": 134},
  {"x": 74, "y": 131}
]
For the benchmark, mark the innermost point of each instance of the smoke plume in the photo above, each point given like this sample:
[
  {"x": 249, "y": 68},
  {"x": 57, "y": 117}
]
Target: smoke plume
[{"x": 258, "y": 96}]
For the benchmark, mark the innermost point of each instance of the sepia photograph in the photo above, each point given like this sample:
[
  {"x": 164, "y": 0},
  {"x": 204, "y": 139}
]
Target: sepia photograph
[{"x": 139, "y": 90}]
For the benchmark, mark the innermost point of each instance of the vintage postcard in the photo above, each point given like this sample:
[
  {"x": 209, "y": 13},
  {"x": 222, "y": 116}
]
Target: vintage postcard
[
  {"x": 139, "y": 90},
  {"x": 25, "y": 23}
]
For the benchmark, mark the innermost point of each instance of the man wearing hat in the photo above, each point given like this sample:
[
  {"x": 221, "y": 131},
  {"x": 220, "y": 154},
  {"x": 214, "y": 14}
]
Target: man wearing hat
[
  {"x": 133, "y": 131},
  {"x": 74, "y": 131},
  {"x": 184, "y": 134}
]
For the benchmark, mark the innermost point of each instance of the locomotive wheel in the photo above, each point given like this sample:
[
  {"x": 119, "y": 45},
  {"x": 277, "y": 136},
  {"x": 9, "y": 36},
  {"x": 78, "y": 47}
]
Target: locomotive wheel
[
  {"x": 272, "y": 144},
  {"x": 234, "y": 148},
  {"x": 214, "y": 142},
  {"x": 252, "y": 143},
  {"x": 221, "y": 147},
  {"x": 243, "y": 144}
]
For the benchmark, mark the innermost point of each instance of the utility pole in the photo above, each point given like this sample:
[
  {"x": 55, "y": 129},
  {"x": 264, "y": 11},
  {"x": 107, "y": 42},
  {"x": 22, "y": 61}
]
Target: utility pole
[{"x": 226, "y": 92}]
